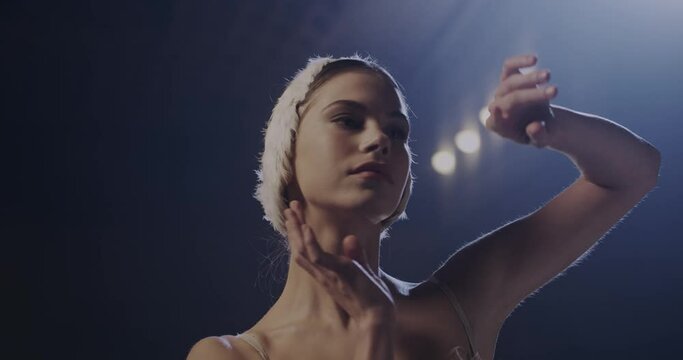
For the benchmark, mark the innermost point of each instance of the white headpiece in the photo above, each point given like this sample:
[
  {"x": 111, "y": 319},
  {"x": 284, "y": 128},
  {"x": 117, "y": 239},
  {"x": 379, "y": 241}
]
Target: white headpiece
[{"x": 276, "y": 160}]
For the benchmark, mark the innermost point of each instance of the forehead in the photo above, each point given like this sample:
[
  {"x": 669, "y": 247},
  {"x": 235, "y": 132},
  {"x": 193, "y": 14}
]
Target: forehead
[{"x": 363, "y": 86}]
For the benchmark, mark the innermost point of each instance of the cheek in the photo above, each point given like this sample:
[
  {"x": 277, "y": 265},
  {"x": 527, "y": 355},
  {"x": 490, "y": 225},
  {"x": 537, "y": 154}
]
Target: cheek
[
  {"x": 404, "y": 160},
  {"x": 335, "y": 145},
  {"x": 326, "y": 150},
  {"x": 320, "y": 158}
]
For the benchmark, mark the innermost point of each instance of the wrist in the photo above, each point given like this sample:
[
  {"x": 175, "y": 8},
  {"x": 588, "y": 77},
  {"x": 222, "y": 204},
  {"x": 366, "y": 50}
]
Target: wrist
[{"x": 554, "y": 127}]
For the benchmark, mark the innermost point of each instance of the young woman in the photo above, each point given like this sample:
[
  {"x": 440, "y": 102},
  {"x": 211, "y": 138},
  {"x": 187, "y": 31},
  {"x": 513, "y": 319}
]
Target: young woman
[{"x": 336, "y": 173}]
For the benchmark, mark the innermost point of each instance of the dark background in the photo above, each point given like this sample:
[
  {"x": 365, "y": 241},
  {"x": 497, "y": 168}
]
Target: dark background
[{"x": 131, "y": 130}]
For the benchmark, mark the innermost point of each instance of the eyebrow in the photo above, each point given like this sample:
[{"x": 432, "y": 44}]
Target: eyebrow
[{"x": 362, "y": 107}]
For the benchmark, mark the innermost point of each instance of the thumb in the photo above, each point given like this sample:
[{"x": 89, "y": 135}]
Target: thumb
[
  {"x": 536, "y": 131},
  {"x": 352, "y": 248}
]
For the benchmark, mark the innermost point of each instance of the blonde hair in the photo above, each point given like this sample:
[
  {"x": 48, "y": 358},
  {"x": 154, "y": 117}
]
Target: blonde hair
[{"x": 275, "y": 168}]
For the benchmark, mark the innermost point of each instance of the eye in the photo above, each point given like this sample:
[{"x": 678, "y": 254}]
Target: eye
[
  {"x": 348, "y": 122},
  {"x": 398, "y": 133}
]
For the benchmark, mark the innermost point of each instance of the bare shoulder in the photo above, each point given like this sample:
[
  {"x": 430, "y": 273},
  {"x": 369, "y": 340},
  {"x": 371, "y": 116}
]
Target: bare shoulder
[
  {"x": 424, "y": 312},
  {"x": 214, "y": 348},
  {"x": 419, "y": 304},
  {"x": 448, "y": 326},
  {"x": 422, "y": 293},
  {"x": 397, "y": 287}
]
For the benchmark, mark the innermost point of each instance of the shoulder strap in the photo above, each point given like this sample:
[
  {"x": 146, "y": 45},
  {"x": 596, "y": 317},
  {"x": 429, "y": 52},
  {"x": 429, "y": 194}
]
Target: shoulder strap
[
  {"x": 255, "y": 343},
  {"x": 458, "y": 309}
]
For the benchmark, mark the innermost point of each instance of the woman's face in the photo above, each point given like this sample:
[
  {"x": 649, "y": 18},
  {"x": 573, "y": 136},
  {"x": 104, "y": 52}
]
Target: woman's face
[{"x": 352, "y": 119}]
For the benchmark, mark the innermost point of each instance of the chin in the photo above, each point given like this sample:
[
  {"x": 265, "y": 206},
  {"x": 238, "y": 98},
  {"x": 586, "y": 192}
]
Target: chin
[{"x": 372, "y": 209}]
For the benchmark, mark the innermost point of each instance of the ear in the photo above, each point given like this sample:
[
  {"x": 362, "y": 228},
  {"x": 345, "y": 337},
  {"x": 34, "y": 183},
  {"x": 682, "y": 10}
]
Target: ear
[{"x": 292, "y": 191}]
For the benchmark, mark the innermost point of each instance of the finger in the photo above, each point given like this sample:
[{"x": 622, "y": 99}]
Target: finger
[
  {"x": 522, "y": 81},
  {"x": 502, "y": 125},
  {"x": 328, "y": 264},
  {"x": 512, "y": 65},
  {"x": 295, "y": 205},
  {"x": 365, "y": 257},
  {"x": 495, "y": 114},
  {"x": 536, "y": 131},
  {"x": 312, "y": 268},
  {"x": 366, "y": 260},
  {"x": 303, "y": 256},
  {"x": 321, "y": 275},
  {"x": 352, "y": 248},
  {"x": 298, "y": 223},
  {"x": 526, "y": 97},
  {"x": 297, "y": 210},
  {"x": 312, "y": 250},
  {"x": 316, "y": 254},
  {"x": 294, "y": 233},
  {"x": 503, "y": 129}
]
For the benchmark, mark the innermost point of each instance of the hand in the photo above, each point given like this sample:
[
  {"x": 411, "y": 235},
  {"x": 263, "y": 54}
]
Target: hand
[
  {"x": 348, "y": 278},
  {"x": 520, "y": 107}
]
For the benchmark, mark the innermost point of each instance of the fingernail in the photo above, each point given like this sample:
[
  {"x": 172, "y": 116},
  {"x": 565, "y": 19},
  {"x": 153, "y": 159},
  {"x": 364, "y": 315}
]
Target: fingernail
[{"x": 550, "y": 90}]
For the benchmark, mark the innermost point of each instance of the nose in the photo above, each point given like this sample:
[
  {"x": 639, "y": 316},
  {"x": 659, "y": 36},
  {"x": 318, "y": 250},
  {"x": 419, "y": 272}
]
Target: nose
[{"x": 376, "y": 141}]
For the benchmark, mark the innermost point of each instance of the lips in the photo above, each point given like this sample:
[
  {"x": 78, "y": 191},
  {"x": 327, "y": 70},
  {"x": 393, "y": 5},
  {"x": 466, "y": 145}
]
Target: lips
[{"x": 375, "y": 167}]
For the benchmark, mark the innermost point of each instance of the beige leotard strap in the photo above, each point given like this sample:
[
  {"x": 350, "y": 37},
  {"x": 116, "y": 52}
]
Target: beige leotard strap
[
  {"x": 461, "y": 314},
  {"x": 255, "y": 343}
]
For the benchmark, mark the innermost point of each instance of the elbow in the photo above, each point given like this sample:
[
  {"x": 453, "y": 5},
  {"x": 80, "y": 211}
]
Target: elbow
[
  {"x": 650, "y": 168},
  {"x": 656, "y": 161}
]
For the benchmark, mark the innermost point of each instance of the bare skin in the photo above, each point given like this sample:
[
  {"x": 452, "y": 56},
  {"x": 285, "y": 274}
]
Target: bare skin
[
  {"x": 336, "y": 297},
  {"x": 335, "y": 226}
]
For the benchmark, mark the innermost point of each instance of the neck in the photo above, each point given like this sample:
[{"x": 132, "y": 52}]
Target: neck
[
  {"x": 331, "y": 227},
  {"x": 304, "y": 300}
]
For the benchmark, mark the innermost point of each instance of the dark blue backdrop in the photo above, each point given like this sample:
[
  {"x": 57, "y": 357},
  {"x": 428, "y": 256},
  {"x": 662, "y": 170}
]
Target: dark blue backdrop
[{"x": 131, "y": 132}]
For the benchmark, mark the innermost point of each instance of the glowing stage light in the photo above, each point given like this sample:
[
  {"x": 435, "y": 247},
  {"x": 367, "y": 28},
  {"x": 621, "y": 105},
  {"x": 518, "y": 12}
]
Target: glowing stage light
[
  {"x": 468, "y": 141},
  {"x": 444, "y": 162}
]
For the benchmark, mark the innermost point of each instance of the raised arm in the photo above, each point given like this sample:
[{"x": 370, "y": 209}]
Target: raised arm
[{"x": 494, "y": 273}]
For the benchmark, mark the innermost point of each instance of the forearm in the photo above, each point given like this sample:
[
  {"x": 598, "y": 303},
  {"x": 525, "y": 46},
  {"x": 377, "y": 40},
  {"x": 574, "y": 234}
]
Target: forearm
[
  {"x": 606, "y": 153},
  {"x": 375, "y": 341}
]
